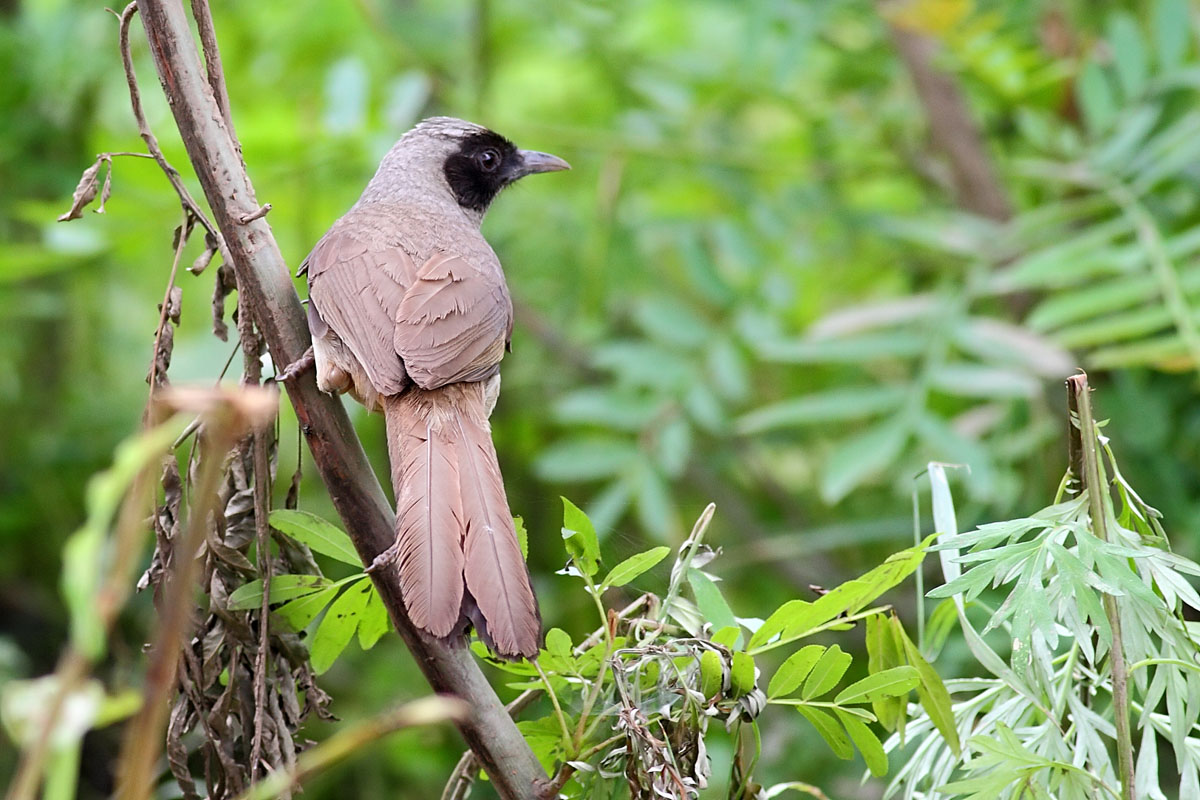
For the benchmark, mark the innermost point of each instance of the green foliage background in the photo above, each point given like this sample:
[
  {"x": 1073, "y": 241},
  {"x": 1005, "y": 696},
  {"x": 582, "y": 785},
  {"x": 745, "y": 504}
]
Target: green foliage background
[{"x": 754, "y": 287}]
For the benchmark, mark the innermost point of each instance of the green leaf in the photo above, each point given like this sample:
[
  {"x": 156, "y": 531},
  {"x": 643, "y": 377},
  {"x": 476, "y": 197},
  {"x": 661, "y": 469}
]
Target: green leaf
[
  {"x": 941, "y": 622},
  {"x": 866, "y": 741},
  {"x": 580, "y": 539},
  {"x": 1129, "y": 54},
  {"x": 861, "y": 456},
  {"x": 664, "y": 318},
  {"x": 741, "y": 674},
  {"x": 930, "y": 690},
  {"x": 320, "y": 536},
  {"x": 783, "y": 618},
  {"x": 586, "y": 458},
  {"x": 796, "y": 618},
  {"x": 674, "y": 446},
  {"x": 853, "y": 349},
  {"x": 730, "y": 636},
  {"x": 375, "y": 621},
  {"x": 522, "y": 537},
  {"x": 1095, "y": 96},
  {"x": 655, "y": 510},
  {"x": 634, "y": 566},
  {"x": 338, "y": 626},
  {"x": 296, "y": 614},
  {"x": 712, "y": 673},
  {"x": 830, "y": 731},
  {"x": 558, "y": 658},
  {"x": 963, "y": 379},
  {"x": 710, "y": 601},
  {"x": 825, "y": 674},
  {"x": 794, "y": 670},
  {"x": 834, "y": 405},
  {"x": 893, "y": 682},
  {"x": 885, "y": 652},
  {"x": 283, "y": 588},
  {"x": 544, "y": 737},
  {"x": 1172, "y": 32},
  {"x": 558, "y": 643},
  {"x": 613, "y": 409}
]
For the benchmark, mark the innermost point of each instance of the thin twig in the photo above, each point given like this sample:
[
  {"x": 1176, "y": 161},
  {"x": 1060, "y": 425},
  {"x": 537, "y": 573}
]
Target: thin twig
[
  {"x": 135, "y": 100},
  {"x": 1077, "y": 385},
  {"x": 261, "y": 212},
  {"x": 163, "y": 314}
]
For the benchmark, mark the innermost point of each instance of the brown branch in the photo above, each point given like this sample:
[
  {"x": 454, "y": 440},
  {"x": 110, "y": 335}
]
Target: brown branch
[
  {"x": 269, "y": 295},
  {"x": 212, "y": 65},
  {"x": 954, "y": 132}
]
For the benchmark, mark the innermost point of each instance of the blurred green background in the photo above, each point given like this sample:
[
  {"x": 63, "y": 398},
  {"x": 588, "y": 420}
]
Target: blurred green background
[{"x": 765, "y": 282}]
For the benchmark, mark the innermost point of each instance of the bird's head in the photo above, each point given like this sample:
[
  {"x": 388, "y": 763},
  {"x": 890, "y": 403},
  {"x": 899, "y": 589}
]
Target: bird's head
[{"x": 456, "y": 162}]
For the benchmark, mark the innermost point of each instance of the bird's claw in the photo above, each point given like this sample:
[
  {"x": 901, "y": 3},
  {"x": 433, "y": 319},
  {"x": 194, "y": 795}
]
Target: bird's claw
[
  {"x": 385, "y": 558},
  {"x": 298, "y": 367}
]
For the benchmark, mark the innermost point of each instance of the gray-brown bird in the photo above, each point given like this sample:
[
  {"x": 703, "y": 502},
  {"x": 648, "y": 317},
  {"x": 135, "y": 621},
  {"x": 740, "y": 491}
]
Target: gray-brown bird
[{"x": 410, "y": 314}]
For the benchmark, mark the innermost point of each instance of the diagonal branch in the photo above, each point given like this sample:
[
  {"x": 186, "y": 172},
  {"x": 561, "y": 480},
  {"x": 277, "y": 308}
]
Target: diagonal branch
[
  {"x": 954, "y": 132},
  {"x": 269, "y": 295}
]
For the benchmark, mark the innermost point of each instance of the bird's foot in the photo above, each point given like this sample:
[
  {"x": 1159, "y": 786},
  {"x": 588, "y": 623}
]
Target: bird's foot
[
  {"x": 385, "y": 558},
  {"x": 298, "y": 367}
]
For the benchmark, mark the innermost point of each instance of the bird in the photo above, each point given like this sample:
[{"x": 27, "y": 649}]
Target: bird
[{"x": 410, "y": 314}]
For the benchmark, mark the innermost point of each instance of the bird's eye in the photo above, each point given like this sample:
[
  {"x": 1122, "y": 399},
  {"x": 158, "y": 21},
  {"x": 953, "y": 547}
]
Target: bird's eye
[{"x": 488, "y": 160}]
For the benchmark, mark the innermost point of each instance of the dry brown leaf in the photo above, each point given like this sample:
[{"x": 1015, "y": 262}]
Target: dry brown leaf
[{"x": 84, "y": 193}]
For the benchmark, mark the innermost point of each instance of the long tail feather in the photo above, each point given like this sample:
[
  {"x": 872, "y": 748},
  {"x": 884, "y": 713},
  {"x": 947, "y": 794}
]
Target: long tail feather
[
  {"x": 428, "y": 514},
  {"x": 497, "y": 578},
  {"x": 453, "y": 524}
]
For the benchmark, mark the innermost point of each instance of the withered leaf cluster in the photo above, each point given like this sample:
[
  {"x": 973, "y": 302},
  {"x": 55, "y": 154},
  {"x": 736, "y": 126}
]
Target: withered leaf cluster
[
  {"x": 664, "y": 709},
  {"x": 213, "y": 718}
]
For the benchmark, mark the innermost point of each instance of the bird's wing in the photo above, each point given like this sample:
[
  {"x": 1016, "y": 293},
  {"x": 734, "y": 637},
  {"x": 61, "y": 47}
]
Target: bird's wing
[
  {"x": 453, "y": 323},
  {"x": 356, "y": 288}
]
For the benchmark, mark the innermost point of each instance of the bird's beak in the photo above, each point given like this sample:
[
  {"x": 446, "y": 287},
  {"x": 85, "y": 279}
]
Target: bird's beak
[{"x": 532, "y": 162}]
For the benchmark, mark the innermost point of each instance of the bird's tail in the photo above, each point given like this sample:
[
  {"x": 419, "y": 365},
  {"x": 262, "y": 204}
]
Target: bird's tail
[{"x": 456, "y": 545}]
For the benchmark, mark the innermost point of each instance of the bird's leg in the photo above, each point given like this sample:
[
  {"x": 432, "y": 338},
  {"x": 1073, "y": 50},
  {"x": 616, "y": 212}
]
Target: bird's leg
[
  {"x": 385, "y": 558},
  {"x": 298, "y": 367}
]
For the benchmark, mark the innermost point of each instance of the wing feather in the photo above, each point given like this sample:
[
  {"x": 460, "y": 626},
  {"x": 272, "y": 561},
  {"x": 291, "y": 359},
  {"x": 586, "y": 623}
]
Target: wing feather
[
  {"x": 356, "y": 289},
  {"x": 453, "y": 322}
]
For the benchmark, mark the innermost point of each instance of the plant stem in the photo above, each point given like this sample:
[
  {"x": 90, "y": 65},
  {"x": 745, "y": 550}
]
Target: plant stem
[
  {"x": 558, "y": 712},
  {"x": 920, "y": 576},
  {"x": 594, "y": 693},
  {"x": 840, "y": 620},
  {"x": 1080, "y": 396}
]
